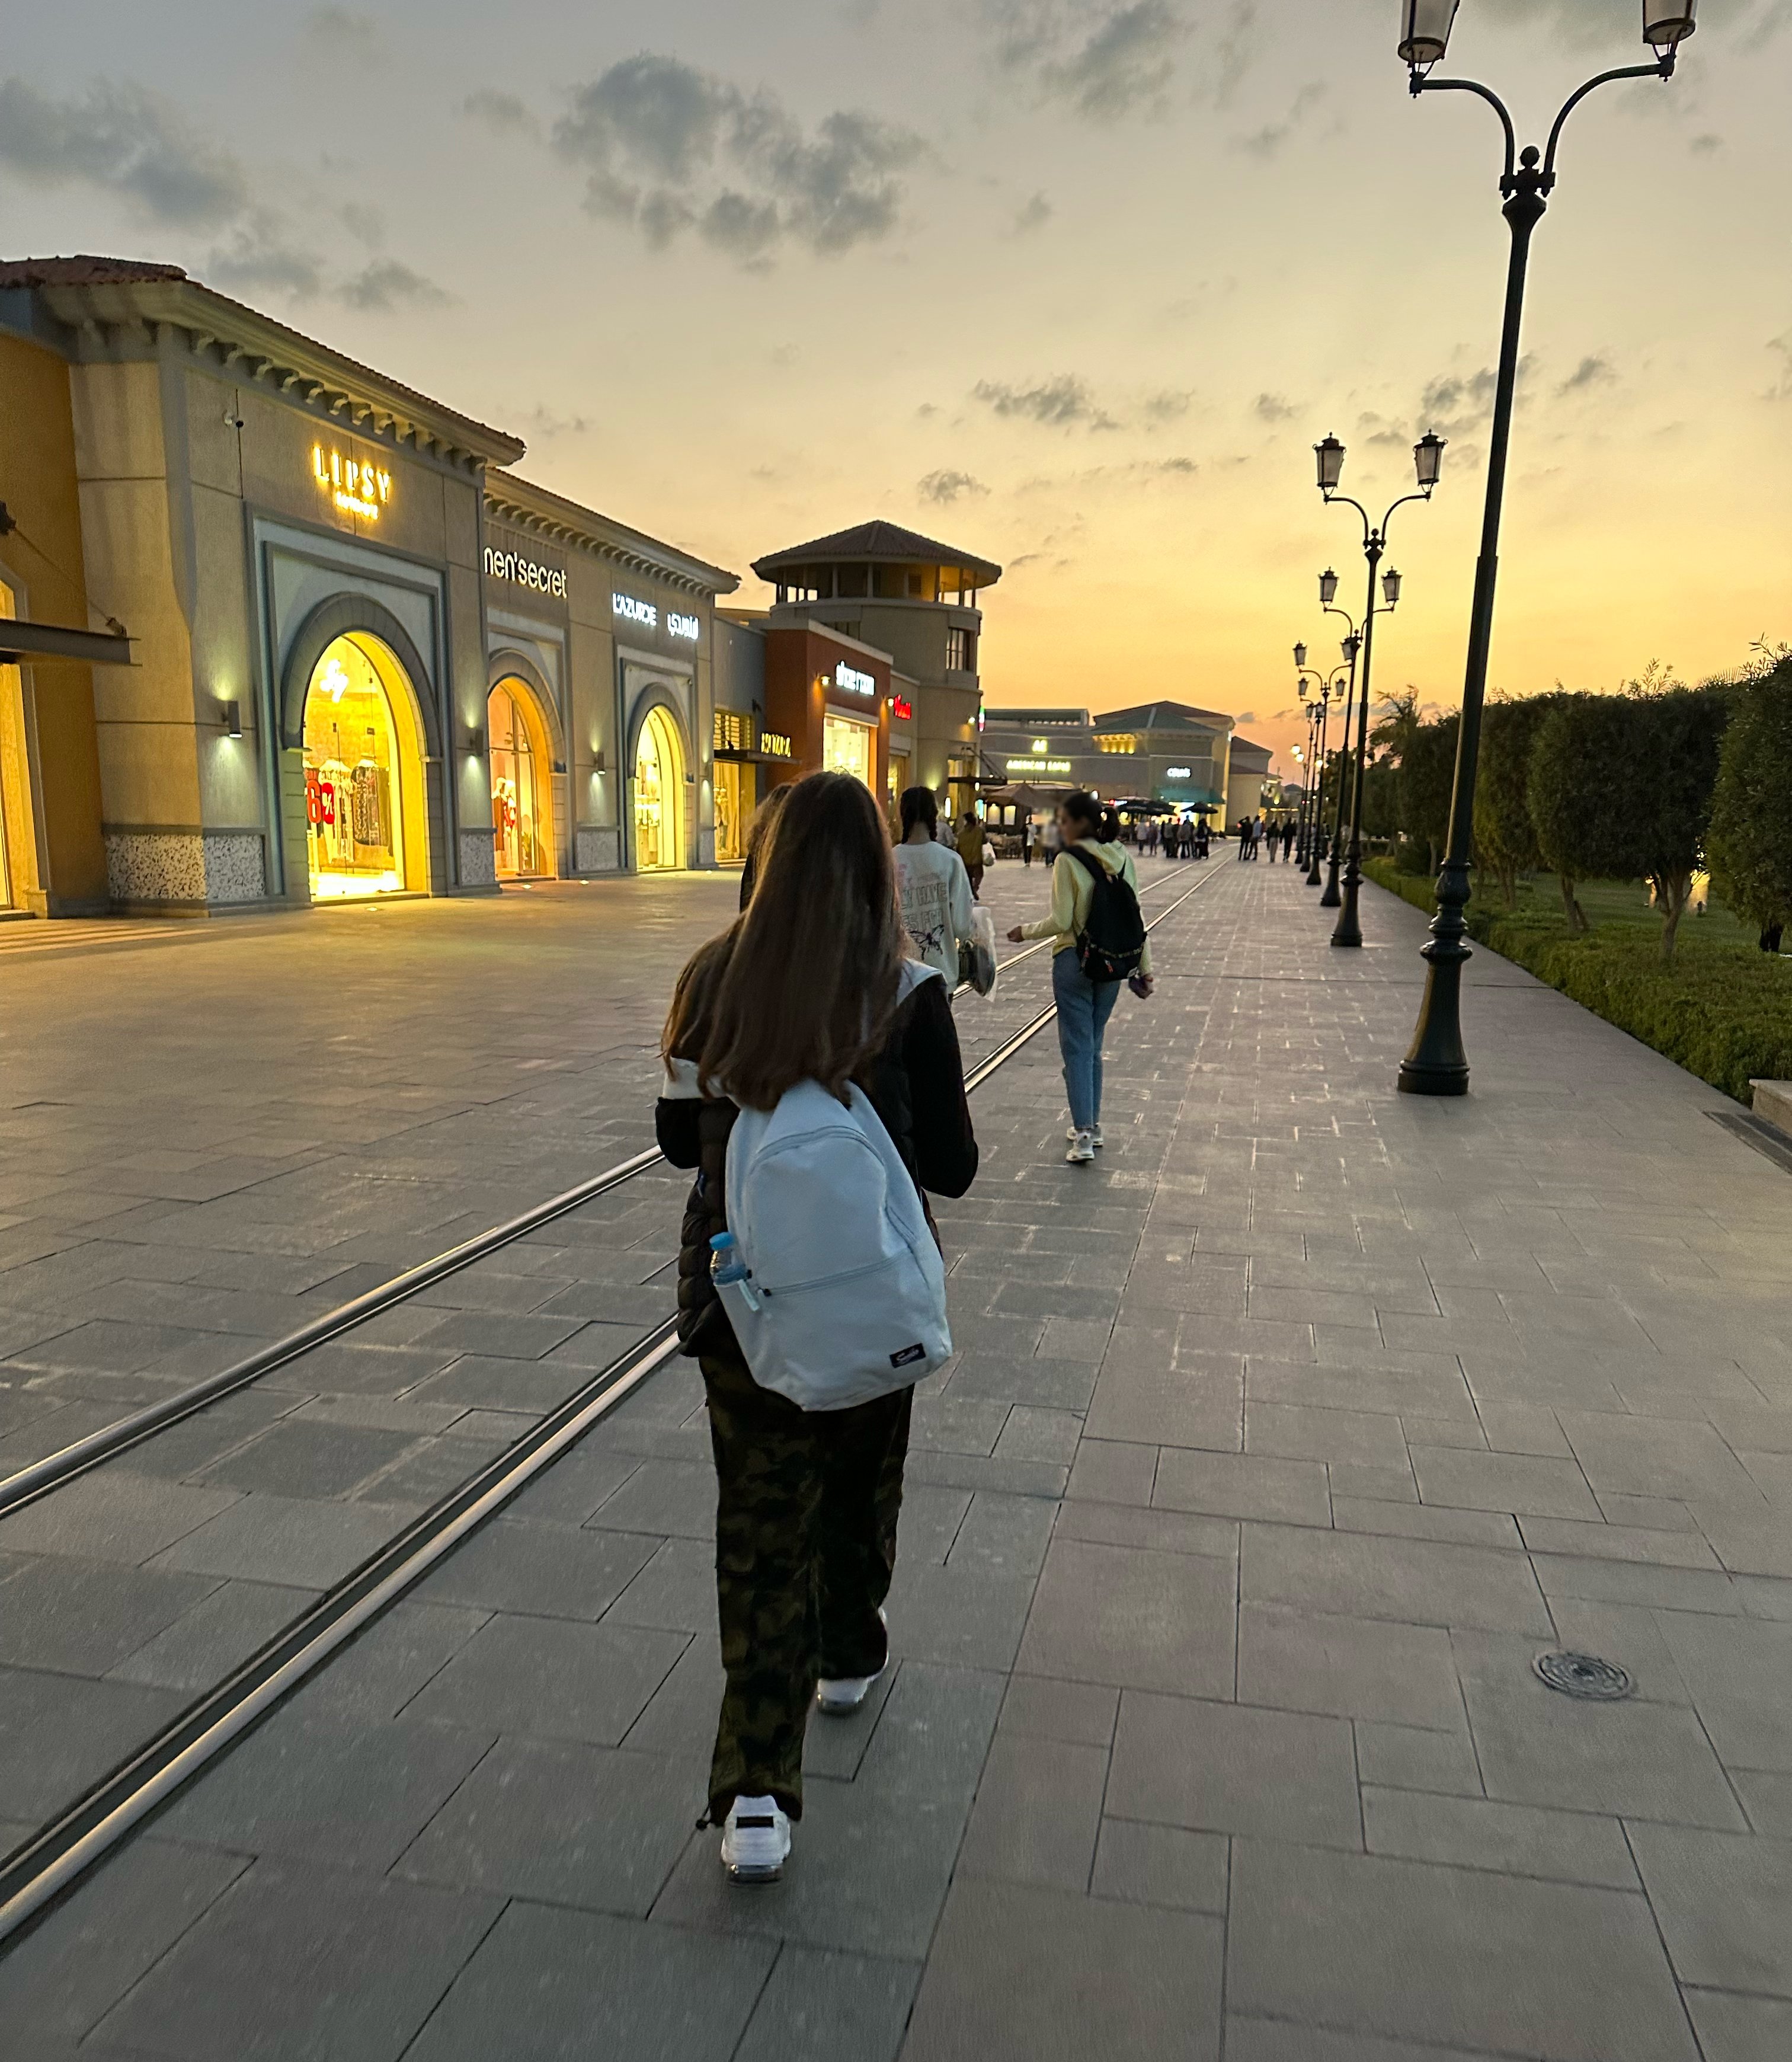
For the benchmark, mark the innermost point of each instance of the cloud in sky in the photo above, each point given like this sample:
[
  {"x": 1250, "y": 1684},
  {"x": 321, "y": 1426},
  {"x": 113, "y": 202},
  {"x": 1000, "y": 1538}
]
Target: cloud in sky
[
  {"x": 668, "y": 149},
  {"x": 503, "y": 113},
  {"x": 259, "y": 258},
  {"x": 1169, "y": 404},
  {"x": 1101, "y": 61},
  {"x": 386, "y": 285},
  {"x": 124, "y": 138},
  {"x": 1063, "y": 403},
  {"x": 1274, "y": 409},
  {"x": 1593, "y": 371},
  {"x": 1267, "y": 141},
  {"x": 338, "y": 33},
  {"x": 945, "y": 488},
  {"x": 1035, "y": 214}
]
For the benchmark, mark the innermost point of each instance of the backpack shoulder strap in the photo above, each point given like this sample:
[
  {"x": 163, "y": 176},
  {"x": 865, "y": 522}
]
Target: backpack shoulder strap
[{"x": 1097, "y": 867}]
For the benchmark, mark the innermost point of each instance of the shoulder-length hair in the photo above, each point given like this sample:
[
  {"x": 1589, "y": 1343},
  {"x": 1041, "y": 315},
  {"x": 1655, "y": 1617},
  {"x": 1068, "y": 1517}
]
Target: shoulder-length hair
[{"x": 802, "y": 985}]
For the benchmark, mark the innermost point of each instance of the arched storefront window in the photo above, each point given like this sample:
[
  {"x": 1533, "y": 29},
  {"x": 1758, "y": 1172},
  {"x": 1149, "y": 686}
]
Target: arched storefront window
[
  {"x": 361, "y": 758},
  {"x": 658, "y": 794},
  {"x": 521, "y": 810}
]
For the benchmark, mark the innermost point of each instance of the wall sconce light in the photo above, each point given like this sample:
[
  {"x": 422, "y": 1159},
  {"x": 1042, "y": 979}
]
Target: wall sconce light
[
  {"x": 232, "y": 714},
  {"x": 600, "y": 764},
  {"x": 475, "y": 743}
]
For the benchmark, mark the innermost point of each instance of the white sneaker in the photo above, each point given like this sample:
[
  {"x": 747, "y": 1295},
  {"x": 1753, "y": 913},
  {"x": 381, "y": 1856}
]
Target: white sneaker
[
  {"x": 837, "y": 1695},
  {"x": 1081, "y": 1148},
  {"x": 1096, "y": 1139},
  {"x": 756, "y": 1840}
]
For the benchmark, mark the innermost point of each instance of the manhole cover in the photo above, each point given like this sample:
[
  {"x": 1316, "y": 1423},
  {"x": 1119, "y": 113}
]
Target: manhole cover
[{"x": 1582, "y": 1675}]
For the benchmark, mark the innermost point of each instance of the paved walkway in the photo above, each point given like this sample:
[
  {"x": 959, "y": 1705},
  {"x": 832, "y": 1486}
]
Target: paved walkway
[{"x": 1279, "y": 1443}]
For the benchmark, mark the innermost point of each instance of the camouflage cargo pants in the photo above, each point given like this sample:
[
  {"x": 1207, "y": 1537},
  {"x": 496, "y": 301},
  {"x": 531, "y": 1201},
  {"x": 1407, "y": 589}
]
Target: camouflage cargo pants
[{"x": 805, "y": 1545}]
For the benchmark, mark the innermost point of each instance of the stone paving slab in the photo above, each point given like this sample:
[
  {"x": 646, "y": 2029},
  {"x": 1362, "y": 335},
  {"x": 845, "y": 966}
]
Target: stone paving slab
[{"x": 1212, "y": 1730}]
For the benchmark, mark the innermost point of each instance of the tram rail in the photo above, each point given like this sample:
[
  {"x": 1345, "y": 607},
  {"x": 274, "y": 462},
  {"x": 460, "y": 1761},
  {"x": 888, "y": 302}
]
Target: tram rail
[{"x": 61, "y": 1851}]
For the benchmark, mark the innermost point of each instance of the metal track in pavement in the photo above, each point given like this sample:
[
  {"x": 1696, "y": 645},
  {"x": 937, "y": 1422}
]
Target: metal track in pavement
[
  {"x": 50, "y": 1473},
  {"x": 60, "y": 1852}
]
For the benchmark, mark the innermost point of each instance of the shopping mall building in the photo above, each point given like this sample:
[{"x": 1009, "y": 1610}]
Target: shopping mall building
[
  {"x": 1168, "y": 752},
  {"x": 350, "y": 652}
]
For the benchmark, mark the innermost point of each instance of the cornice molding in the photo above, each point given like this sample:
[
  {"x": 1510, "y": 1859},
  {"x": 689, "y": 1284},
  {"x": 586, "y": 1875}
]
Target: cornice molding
[
  {"x": 526, "y": 507},
  {"x": 228, "y": 337}
]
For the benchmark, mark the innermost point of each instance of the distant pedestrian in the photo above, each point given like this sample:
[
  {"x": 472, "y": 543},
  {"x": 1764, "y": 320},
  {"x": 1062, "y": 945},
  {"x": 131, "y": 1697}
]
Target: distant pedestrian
[
  {"x": 1027, "y": 840},
  {"x": 969, "y": 843},
  {"x": 1051, "y": 840},
  {"x": 807, "y": 986},
  {"x": 1287, "y": 840},
  {"x": 933, "y": 887},
  {"x": 1084, "y": 1004}
]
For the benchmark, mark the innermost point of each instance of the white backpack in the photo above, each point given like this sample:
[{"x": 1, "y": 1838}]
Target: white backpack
[{"x": 845, "y": 1295}]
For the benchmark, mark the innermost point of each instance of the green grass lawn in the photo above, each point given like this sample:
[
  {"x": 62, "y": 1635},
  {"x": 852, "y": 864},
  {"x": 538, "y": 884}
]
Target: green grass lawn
[{"x": 1723, "y": 1010}]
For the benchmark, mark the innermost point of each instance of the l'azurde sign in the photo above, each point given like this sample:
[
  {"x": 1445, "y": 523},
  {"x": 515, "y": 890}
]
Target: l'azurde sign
[{"x": 631, "y": 610}]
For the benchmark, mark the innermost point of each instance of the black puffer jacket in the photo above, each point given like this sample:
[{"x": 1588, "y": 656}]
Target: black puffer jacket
[{"x": 917, "y": 1086}]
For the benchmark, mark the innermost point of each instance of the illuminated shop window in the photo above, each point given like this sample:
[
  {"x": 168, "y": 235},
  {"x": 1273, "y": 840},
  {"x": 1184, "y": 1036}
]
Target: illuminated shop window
[
  {"x": 523, "y": 834},
  {"x": 361, "y": 756},
  {"x": 848, "y": 747}
]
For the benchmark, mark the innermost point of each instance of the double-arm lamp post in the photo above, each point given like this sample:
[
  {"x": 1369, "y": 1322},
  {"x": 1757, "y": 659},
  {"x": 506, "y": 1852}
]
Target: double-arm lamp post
[
  {"x": 1351, "y": 645},
  {"x": 1436, "y": 1063},
  {"x": 1331, "y": 688},
  {"x": 1427, "y": 458}
]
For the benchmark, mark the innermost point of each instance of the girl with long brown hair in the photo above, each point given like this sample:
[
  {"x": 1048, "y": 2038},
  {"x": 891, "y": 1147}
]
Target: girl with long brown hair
[{"x": 809, "y": 983}]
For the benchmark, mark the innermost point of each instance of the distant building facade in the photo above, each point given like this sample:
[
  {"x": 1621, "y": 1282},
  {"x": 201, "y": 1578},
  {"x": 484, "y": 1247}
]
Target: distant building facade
[{"x": 1161, "y": 752}]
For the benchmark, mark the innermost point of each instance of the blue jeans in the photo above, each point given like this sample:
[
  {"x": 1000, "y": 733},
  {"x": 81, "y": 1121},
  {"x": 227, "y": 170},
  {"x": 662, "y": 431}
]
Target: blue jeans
[{"x": 1083, "y": 1008}]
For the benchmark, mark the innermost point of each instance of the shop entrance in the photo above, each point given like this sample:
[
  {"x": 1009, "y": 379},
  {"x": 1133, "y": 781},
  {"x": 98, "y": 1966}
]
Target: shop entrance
[
  {"x": 849, "y": 747},
  {"x": 734, "y": 791},
  {"x": 363, "y": 779},
  {"x": 658, "y": 795},
  {"x": 522, "y": 812},
  {"x": 13, "y": 773}
]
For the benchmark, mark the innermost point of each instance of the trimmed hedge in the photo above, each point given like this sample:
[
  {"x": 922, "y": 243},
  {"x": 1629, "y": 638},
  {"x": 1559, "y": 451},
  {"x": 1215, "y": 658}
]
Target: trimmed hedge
[{"x": 1723, "y": 1011}]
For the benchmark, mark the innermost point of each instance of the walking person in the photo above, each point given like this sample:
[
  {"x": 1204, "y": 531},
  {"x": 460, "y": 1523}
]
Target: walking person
[
  {"x": 1028, "y": 837},
  {"x": 1288, "y": 841},
  {"x": 1052, "y": 840},
  {"x": 969, "y": 844},
  {"x": 933, "y": 888},
  {"x": 808, "y": 986},
  {"x": 1084, "y": 1004}
]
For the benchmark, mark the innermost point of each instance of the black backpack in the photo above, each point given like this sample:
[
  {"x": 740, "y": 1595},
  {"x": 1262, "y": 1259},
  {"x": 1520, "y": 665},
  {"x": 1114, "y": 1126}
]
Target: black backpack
[{"x": 1111, "y": 943}]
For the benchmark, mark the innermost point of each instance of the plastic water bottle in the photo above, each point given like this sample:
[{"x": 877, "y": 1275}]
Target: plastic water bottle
[{"x": 727, "y": 1264}]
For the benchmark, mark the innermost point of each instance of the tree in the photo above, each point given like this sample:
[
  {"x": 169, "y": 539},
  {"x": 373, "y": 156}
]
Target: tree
[
  {"x": 1571, "y": 799},
  {"x": 1506, "y": 841},
  {"x": 1427, "y": 774},
  {"x": 1749, "y": 842},
  {"x": 1666, "y": 780}
]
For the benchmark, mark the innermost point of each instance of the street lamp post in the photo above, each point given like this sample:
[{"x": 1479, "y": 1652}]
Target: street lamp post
[
  {"x": 1427, "y": 458},
  {"x": 1313, "y": 711},
  {"x": 1436, "y": 1063},
  {"x": 1331, "y": 689}
]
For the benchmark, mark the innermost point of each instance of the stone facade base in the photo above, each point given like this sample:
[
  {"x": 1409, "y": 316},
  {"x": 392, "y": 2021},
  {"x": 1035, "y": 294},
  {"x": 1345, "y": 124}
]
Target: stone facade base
[
  {"x": 596, "y": 850},
  {"x": 478, "y": 866},
  {"x": 144, "y": 868}
]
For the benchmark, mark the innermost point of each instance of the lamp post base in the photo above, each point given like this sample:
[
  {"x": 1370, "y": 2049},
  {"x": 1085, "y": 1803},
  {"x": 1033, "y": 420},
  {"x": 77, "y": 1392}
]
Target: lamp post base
[
  {"x": 1436, "y": 1063},
  {"x": 1312, "y": 872},
  {"x": 1349, "y": 930},
  {"x": 1331, "y": 899}
]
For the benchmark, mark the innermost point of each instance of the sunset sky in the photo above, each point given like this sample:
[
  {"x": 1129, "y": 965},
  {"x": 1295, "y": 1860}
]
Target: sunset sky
[{"x": 1075, "y": 286}]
